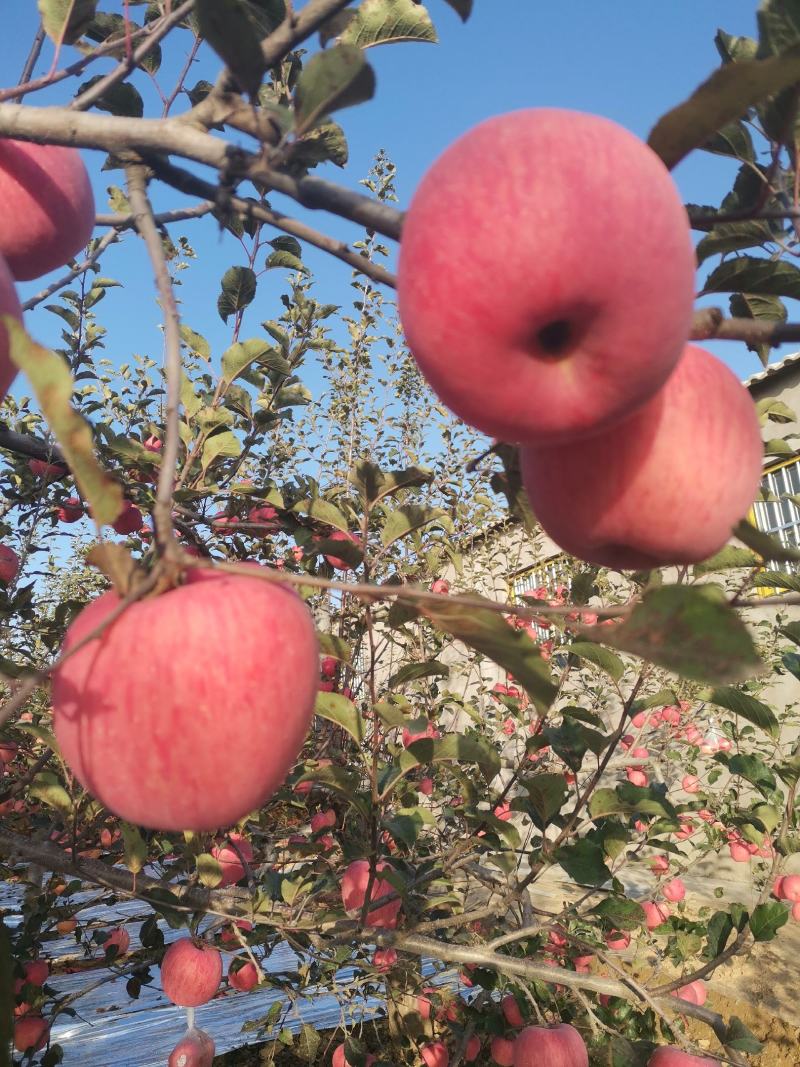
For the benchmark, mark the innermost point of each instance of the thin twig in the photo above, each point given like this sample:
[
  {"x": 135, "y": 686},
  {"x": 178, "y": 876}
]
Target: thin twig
[
  {"x": 107, "y": 239},
  {"x": 145, "y": 224},
  {"x": 33, "y": 55}
]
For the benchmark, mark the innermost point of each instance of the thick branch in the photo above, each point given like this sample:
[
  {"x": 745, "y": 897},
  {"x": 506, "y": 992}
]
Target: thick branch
[
  {"x": 710, "y": 323},
  {"x": 116, "y": 134}
]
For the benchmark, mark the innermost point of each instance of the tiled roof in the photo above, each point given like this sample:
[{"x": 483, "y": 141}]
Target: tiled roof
[{"x": 773, "y": 369}]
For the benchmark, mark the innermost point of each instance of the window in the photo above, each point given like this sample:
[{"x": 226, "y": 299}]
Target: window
[
  {"x": 552, "y": 576},
  {"x": 781, "y": 516}
]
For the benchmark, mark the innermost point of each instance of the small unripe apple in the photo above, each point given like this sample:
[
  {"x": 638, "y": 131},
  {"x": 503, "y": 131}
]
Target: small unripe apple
[
  {"x": 9, "y": 564},
  {"x": 669, "y": 1056},
  {"x": 243, "y": 978},
  {"x": 241, "y": 658},
  {"x": 674, "y": 890},
  {"x": 511, "y": 1011},
  {"x": 501, "y": 1050},
  {"x": 118, "y": 938},
  {"x": 666, "y": 485},
  {"x": 190, "y": 972},
  {"x": 354, "y": 891},
  {"x": 533, "y": 300},
  {"x": 435, "y": 1054},
  {"x": 46, "y": 206},
  {"x": 228, "y": 858},
  {"x": 31, "y": 1031},
  {"x": 556, "y": 1046},
  {"x": 195, "y": 1049},
  {"x": 70, "y": 510}
]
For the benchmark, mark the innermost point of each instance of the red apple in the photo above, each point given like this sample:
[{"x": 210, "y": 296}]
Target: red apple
[
  {"x": 153, "y": 444},
  {"x": 636, "y": 776},
  {"x": 425, "y": 786},
  {"x": 354, "y": 890},
  {"x": 654, "y": 914},
  {"x": 37, "y": 972},
  {"x": 690, "y": 783},
  {"x": 46, "y": 207},
  {"x": 243, "y": 978},
  {"x": 70, "y": 510},
  {"x": 9, "y": 564},
  {"x": 472, "y": 1049},
  {"x": 440, "y": 586},
  {"x": 329, "y": 666},
  {"x": 796, "y": 911},
  {"x": 341, "y": 535},
  {"x": 228, "y": 858},
  {"x": 51, "y": 472},
  {"x": 9, "y": 305},
  {"x": 8, "y": 751},
  {"x": 240, "y": 656},
  {"x": 118, "y": 938},
  {"x": 694, "y": 992},
  {"x": 666, "y": 485},
  {"x": 339, "y": 1058},
  {"x": 266, "y": 516},
  {"x": 533, "y": 300},
  {"x": 618, "y": 941},
  {"x": 556, "y": 1046},
  {"x": 511, "y": 1011},
  {"x": 129, "y": 519},
  {"x": 790, "y": 887},
  {"x": 323, "y": 820},
  {"x": 190, "y": 972},
  {"x": 195, "y": 1049},
  {"x": 674, "y": 890},
  {"x": 31, "y": 1031},
  {"x": 435, "y": 1054},
  {"x": 409, "y": 737},
  {"x": 502, "y": 1051},
  {"x": 384, "y": 959},
  {"x": 669, "y": 1056},
  {"x": 739, "y": 852}
]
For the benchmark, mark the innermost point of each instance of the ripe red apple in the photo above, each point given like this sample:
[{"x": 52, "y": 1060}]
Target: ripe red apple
[
  {"x": 228, "y": 858},
  {"x": 440, "y": 586},
  {"x": 37, "y": 972},
  {"x": 511, "y": 1011},
  {"x": 243, "y": 978},
  {"x": 9, "y": 305},
  {"x": 46, "y": 207},
  {"x": 617, "y": 941},
  {"x": 502, "y": 1051},
  {"x": 9, "y": 564},
  {"x": 674, "y": 890},
  {"x": 70, "y": 510},
  {"x": 118, "y": 938},
  {"x": 341, "y": 535},
  {"x": 51, "y": 472},
  {"x": 669, "y": 1056},
  {"x": 8, "y": 751},
  {"x": 266, "y": 516},
  {"x": 654, "y": 914},
  {"x": 329, "y": 666},
  {"x": 153, "y": 444},
  {"x": 425, "y": 786},
  {"x": 195, "y": 1049},
  {"x": 535, "y": 303},
  {"x": 790, "y": 887},
  {"x": 435, "y": 1054},
  {"x": 190, "y": 972},
  {"x": 221, "y": 659},
  {"x": 129, "y": 519},
  {"x": 473, "y": 1049},
  {"x": 409, "y": 737},
  {"x": 323, "y": 820},
  {"x": 383, "y": 959},
  {"x": 557, "y": 1046},
  {"x": 636, "y": 776},
  {"x": 690, "y": 783},
  {"x": 31, "y": 1031},
  {"x": 694, "y": 992},
  {"x": 666, "y": 485},
  {"x": 354, "y": 891}
]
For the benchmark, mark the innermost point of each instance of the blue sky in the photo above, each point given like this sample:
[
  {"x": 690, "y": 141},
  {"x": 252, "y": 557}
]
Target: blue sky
[{"x": 623, "y": 59}]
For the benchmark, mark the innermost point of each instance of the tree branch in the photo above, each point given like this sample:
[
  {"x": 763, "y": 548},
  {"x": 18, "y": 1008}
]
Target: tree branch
[
  {"x": 710, "y": 323},
  {"x": 107, "y": 239}
]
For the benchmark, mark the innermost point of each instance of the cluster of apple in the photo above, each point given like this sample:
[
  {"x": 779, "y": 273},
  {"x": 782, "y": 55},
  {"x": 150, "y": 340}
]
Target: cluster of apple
[
  {"x": 46, "y": 217},
  {"x": 546, "y": 289}
]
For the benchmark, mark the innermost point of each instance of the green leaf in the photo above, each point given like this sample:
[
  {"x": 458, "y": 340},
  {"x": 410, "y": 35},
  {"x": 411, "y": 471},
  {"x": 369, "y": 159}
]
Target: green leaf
[
  {"x": 763, "y": 308},
  {"x": 238, "y": 291},
  {"x": 546, "y": 793},
  {"x": 285, "y": 243},
  {"x": 733, "y": 140},
  {"x": 135, "y": 847},
  {"x": 726, "y": 96},
  {"x": 209, "y": 870},
  {"x": 623, "y": 914},
  {"x": 778, "y": 580},
  {"x": 583, "y": 861},
  {"x": 487, "y": 632},
  {"x": 690, "y": 630},
  {"x": 646, "y": 800},
  {"x": 759, "y": 277},
  {"x": 341, "y": 781},
  {"x": 341, "y": 711},
  {"x": 572, "y": 740},
  {"x": 732, "y": 237},
  {"x": 728, "y": 558},
  {"x": 769, "y": 548},
  {"x": 746, "y": 707},
  {"x": 405, "y": 828},
  {"x": 732, "y": 49},
  {"x": 52, "y": 383},
  {"x": 403, "y": 521},
  {"x": 121, "y": 99},
  {"x": 221, "y": 444},
  {"x": 282, "y": 260},
  {"x": 374, "y": 484},
  {"x": 237, "y": 358},
  {"x": 738, "y": 1037},
  {"x": 767, "y": 919},
  {"x": 66, "y": 20},
  {"x": 324, "y": 511},
  {"x": 792, "y": 631},
  {"x": 456, "y": 747},
  {"x": 308, "y": 1042},
  {"x": 230, "y": 31},
  {"x": 47, "y": 788},
  {"x": 334, "y": 78},
  {"x": 461, "y": 7},
  {"x": 600, "y": 657},
  {"x": 195, "y": 342},
  {"x": 778, "y": 26},
  {"x": 753, "y": 769},
  {"x": 386, "y": 21},
  {"x": 430, "y": 669},
  {"x": 331, "y": 645}
]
